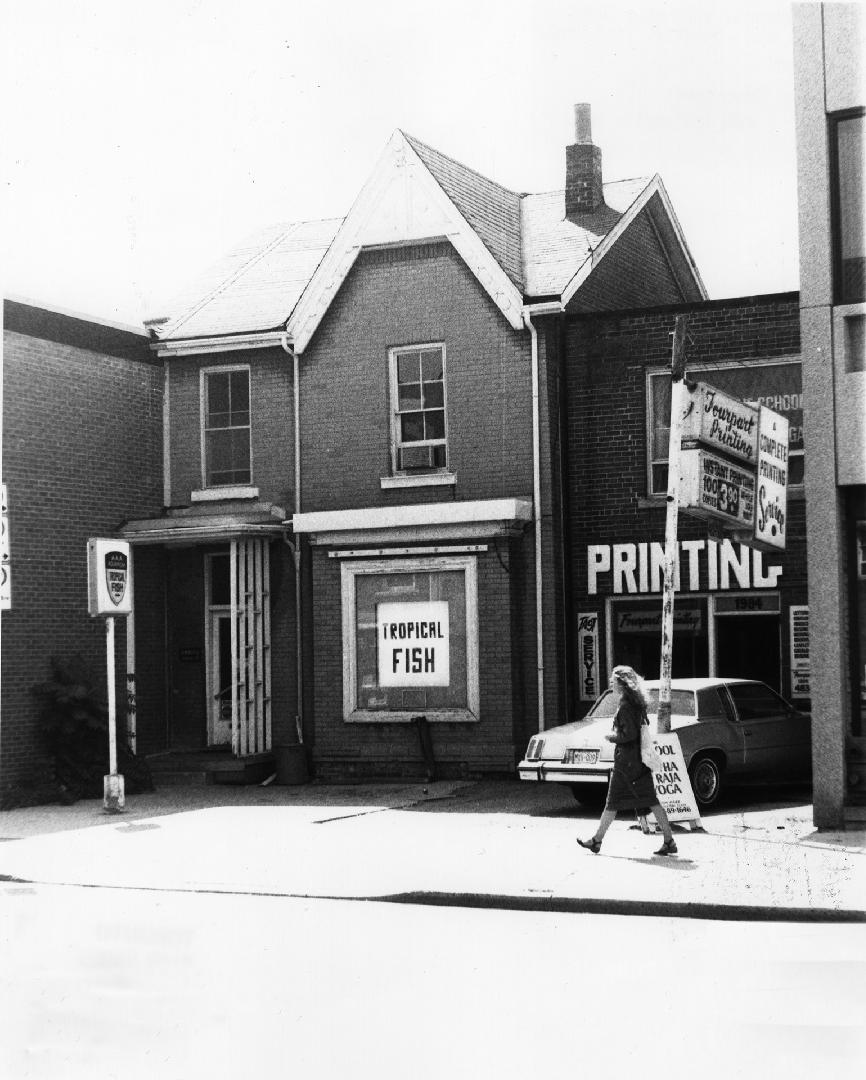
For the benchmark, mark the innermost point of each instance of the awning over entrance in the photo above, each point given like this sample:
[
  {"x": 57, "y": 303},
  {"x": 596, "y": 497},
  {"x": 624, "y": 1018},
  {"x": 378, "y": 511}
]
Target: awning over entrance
[
  {"x": 424, "y": 521},
  {"x": 221, "y": 523}
]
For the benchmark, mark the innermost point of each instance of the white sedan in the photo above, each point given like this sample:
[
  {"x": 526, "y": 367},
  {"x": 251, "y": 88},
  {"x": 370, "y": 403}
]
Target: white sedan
[{"x": 737, "y": 731}]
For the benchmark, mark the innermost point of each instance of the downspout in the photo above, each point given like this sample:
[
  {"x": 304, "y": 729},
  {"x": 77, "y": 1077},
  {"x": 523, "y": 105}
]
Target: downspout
[
  {"x": 296, "y": 550},
  {"x": 528, "y": 312}
]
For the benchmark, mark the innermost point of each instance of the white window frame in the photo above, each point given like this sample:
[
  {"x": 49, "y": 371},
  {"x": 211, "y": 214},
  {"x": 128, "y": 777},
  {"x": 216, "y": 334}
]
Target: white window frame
[
  {"x": 349, "y": 571},
  {"x": 703, "y": 372},
  {"x": 222, "y": 369},
  {"x": 396, "y": 443}
]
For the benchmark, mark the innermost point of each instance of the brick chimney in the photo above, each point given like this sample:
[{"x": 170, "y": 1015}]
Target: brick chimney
[{"x": 583, "y": 193}]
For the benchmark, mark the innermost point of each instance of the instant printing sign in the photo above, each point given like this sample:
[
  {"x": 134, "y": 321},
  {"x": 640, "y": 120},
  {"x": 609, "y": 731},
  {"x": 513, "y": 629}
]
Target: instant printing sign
[{"x": 413, "y": 643}]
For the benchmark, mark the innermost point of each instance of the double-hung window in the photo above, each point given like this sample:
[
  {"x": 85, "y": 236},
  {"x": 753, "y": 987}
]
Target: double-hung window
[
  {"x": 226, "y": 454},
  {"x": 419, "y": 439}
]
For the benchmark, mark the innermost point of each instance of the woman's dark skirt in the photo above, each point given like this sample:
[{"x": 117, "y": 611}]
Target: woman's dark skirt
[{"x": 636, "y": 794}]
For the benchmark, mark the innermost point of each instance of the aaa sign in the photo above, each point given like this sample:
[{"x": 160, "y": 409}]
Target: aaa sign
[{"x": 413, "y": 643}]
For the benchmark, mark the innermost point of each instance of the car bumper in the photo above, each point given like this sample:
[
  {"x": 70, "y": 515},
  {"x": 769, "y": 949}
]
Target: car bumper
[{"x": 558, "y": 773}]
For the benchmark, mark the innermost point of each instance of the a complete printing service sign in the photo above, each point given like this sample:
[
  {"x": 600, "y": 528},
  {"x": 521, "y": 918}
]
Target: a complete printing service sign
[
  {"x": 413, "y": 643},
  {"x": 772, "y": 503}
]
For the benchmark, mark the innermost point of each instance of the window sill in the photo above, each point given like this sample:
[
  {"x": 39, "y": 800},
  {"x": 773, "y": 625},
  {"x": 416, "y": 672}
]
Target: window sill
[
  {"x": 367, "y": 716},
  {"x": 441, "y": 479},
  {"x": 218, "y": 493}
]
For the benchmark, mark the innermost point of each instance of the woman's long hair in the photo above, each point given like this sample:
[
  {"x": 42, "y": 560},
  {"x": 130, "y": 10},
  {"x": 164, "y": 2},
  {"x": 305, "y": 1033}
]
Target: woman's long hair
[{"x": 633, "y": 689}]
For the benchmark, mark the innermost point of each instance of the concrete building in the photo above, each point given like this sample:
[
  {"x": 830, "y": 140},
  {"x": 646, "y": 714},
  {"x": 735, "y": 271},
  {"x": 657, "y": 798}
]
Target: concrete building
[{"x": 829, "y": 97}]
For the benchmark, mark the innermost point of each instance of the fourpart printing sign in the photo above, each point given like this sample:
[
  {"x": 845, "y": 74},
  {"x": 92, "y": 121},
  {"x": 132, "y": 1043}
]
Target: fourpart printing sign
[{"x": 413, "y": 643}]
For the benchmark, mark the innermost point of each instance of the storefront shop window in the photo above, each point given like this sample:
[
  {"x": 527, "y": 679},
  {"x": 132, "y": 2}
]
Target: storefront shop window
[
  {"x": 636, "y": 636},
  {"x": 777, "y": 385},
  {"x": 418, "y": 432},
  {"x": 226, "y": 426},
  {"x": 411, "y": 588},
  {"x": 848, "y": 230}
]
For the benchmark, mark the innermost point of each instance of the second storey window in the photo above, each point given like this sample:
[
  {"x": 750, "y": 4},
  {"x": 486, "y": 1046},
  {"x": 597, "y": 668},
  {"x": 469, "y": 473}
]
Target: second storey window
[
  {"x": 848, "y": 224},
  {"x": 226, "y": 426},
  {"x": 418, "y": 429}
]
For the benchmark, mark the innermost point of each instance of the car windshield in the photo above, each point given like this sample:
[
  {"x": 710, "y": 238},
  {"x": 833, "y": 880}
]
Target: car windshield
[{"x": 682, "y": 703}]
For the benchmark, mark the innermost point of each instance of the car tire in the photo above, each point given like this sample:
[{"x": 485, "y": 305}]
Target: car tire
[
  {"x": 705, "y": 773},
  {"x": 589, "y": 794}
]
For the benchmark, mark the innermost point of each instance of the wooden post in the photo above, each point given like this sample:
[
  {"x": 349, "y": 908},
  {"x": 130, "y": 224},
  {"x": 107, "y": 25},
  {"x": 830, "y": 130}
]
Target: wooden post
[{"x": 678, "y": 361}]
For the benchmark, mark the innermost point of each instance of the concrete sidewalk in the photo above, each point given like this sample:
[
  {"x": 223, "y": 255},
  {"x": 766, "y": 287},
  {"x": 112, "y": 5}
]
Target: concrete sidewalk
[{"x": 490, "y": 843}]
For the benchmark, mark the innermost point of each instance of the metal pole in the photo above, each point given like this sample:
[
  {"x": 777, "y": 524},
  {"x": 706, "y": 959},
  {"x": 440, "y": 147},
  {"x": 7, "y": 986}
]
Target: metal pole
[
  {"x": 113, "y": 799},
  {"x": 673, "y": 504}
]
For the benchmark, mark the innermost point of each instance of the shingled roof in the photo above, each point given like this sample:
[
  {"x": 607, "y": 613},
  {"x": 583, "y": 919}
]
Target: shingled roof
[{"x": 257, "y": 285}]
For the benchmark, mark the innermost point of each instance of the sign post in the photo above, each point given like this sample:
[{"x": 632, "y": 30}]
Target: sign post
[
  {"x": 109, "y": 595},
  {"x": 663, "y": 720}
]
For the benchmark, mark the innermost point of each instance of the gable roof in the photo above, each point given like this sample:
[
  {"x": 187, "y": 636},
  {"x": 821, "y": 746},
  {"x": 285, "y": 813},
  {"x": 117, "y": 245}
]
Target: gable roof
[{"x": 520, "y": 247}]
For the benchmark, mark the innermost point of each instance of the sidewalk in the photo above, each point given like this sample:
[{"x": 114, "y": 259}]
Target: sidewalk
[{"x": 489, "y": 843}]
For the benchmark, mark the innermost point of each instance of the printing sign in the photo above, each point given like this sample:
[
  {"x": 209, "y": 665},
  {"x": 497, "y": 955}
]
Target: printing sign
[
  {"x": 108, "y": 585},
  {"x": 413, "y": 643},
  {"x": 713, "y": 487},
  {"x": 721, "y": 422},
  {"x": 587, "y": 656},
  {"x": 771, "y": 511}
]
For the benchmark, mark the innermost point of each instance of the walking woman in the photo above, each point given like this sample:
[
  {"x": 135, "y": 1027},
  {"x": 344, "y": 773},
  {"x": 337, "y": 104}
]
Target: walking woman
[{"x": 631, "y": 782}]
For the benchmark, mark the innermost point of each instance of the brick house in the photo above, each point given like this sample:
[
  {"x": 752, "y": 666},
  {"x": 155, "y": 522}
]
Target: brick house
[
  {"x": 82, "y": 452},
  {"x": 738, "y": 610},
  {"x": 361, "y": 520}
]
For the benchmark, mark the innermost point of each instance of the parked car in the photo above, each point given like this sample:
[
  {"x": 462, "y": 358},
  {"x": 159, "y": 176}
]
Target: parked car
[{"x": 736, "y": 731}]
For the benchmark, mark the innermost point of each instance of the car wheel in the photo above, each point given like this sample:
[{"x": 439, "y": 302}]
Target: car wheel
[
  {"x": 705, "y": 773},
  {"x": 589, "y": 794}
]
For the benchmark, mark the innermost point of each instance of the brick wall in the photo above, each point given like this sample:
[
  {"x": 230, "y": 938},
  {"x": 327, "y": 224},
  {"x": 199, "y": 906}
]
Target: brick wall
[
  {"x": 605, "y": 385},
  {"x": 82, "y": 452},
  {"x": 271, "y": 423}
]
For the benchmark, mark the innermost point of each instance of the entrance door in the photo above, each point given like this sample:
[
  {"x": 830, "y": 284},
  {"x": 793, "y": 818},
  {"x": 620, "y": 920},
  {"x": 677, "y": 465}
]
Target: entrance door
[
  {"x": 220, "y": 680},
  {"x": 749, "y": 647}
]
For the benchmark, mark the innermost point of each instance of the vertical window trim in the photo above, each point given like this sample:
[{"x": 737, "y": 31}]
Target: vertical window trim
[
  {"x": 834, "y": 119},
  {"x": 349, "y": 571},
  {"x": 220, "y": 369},
  {"x": 393, "y": 354}
]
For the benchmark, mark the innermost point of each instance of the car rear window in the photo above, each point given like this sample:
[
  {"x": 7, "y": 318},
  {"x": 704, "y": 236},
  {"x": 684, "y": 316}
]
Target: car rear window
[
  {"x": 710, "y": 704},
  {"x": 682, "y": 702}
]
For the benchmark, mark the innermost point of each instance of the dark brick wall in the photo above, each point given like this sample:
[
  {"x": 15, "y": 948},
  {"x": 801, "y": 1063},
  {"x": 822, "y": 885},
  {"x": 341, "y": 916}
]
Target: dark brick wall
[
  {"x": 636, "y": 273},
  {"x": 271, "y": 422},
  {"x": 82, "y": 452},
  {"x": 402, "y": 297},
  {"x": 605, "y": 385}
]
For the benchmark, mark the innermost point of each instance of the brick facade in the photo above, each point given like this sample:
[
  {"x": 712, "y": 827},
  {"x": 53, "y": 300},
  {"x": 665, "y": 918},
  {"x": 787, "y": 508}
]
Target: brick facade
[
  {"x": 82, "y": 451},
  {"x": 608, "y": 500}
]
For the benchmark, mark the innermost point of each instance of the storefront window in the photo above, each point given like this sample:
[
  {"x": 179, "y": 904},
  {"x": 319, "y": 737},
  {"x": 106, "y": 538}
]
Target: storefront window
[
  {"x": 848, "y": 238},
  {"x": 636, "y": 626},
  {"x": 778, "y": 386},
  {"x": 431, "y": 606}
]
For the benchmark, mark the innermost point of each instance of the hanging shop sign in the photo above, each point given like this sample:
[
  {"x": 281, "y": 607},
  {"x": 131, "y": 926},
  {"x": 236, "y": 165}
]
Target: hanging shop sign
[
  {"x": 587, "y": 653},
  {"x": 711, "y": 487},
  {"x": 413, "y": 643},
  {"x": 772, "y": 480},
  {"x": 702, "y": 564},
  {"x": 801, "y": 686},
  {"x": 108, "y": 584},
  {"x": 716, "y": 420}
]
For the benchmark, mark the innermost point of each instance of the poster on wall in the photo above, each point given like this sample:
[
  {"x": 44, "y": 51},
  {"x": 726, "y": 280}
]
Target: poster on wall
[
  {"x": 413, "y": 643},
  {"x": 587, "y": 656},
  {"x": 801, "y": 686}
]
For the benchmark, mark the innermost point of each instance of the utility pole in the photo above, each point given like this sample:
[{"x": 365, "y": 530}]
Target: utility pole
[{"x": 678, "y": 364}]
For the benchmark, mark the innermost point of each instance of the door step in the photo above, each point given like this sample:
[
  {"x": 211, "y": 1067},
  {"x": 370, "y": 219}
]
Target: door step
[{"x": 200, "y": 767}]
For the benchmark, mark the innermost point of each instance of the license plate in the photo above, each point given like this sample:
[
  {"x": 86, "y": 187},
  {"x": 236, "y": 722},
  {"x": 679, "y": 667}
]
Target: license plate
[{"x": 582, "y": 757}]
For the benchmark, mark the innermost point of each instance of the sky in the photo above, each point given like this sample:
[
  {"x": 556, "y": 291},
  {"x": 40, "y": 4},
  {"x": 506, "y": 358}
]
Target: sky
[{"x": 140, "y": 141}]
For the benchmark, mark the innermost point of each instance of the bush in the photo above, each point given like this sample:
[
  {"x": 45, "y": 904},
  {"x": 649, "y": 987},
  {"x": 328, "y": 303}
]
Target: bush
[{"x": 74, "y": 718}]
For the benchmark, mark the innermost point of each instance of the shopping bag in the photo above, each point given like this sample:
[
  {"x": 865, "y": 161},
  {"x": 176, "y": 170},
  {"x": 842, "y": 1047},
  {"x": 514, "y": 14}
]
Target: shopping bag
[{"x": 648, "y": 753}]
